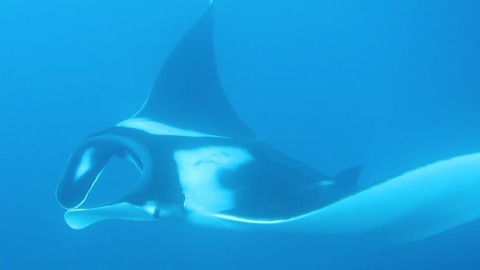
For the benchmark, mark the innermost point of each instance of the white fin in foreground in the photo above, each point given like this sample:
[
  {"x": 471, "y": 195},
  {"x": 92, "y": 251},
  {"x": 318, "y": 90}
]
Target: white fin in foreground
[{"x": 413, "y": 206}]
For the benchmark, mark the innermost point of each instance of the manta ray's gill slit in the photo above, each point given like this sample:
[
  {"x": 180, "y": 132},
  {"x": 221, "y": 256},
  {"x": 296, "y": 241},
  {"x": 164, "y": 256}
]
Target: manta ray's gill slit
[{"x": 116, "y": 180}]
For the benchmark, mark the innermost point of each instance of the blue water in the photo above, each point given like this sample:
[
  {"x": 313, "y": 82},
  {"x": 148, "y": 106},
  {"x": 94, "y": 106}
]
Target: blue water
[{"x": 390, "y": 86}]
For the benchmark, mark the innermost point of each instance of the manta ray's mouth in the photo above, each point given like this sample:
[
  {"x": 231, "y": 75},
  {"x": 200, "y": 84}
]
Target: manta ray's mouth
[
  {"x": 99, "y": 178},
  {"x": 100, "y": 172},
  {"x": 116, "y": 180},
  {"x": 111, "y": 177}
]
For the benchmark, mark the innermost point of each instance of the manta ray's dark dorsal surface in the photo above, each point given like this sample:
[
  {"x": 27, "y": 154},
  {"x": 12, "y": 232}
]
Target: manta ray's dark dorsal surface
[
  {"x": 188, "y": 94},
  {"x": 197, "y": 159}
]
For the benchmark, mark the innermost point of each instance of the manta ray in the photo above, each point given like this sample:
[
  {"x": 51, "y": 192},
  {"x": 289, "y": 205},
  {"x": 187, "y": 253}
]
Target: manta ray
[{"x": 200, "y": 163}]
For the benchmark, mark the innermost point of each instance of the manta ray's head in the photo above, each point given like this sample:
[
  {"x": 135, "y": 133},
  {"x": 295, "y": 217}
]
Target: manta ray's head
[
  {"x": 155, "y": 195},
  {"x": 182, "y": 97}
]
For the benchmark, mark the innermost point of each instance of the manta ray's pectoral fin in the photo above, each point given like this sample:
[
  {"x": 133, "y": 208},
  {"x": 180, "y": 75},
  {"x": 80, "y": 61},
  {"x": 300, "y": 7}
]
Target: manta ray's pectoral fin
[
  {"x": 188, "y": 93},
  {"x": 413, "y": 206}
]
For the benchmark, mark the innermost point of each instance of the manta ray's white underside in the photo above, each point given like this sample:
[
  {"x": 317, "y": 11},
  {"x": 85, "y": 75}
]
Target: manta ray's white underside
[{"x": 413, "y": 206}]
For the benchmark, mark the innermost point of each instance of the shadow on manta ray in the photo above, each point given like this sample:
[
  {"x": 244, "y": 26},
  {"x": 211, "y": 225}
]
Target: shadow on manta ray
[{"x": 199, "y": 162}]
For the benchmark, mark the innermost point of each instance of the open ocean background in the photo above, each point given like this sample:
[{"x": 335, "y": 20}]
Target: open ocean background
[{"x": 390, "y": 85}]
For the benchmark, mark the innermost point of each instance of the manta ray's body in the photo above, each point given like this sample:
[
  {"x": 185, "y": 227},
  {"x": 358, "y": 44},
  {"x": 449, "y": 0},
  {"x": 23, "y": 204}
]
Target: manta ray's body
[
  {"x": 201, "y": 163},
  {"x": 196, "y": 156}
]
